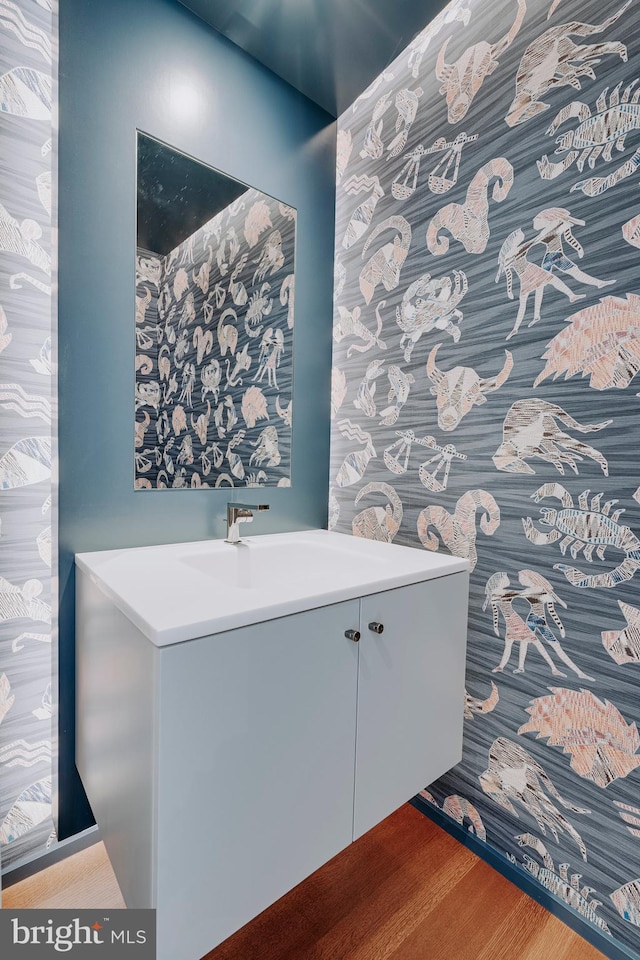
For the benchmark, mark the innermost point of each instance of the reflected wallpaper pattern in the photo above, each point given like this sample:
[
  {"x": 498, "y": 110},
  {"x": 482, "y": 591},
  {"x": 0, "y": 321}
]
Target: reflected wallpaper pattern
[
  {"x": 214, "y": 361},
  {"x": 485, "y": 402},
  {"x": 28, "y": 65}
]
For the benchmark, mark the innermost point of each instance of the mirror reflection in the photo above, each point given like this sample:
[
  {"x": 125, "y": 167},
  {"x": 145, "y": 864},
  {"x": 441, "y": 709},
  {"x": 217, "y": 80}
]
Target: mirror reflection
[{"x": 214, "y": 327}]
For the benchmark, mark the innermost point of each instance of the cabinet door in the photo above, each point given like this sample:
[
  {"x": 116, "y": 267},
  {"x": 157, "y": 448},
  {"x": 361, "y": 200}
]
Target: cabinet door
[
  {"x": 256, "y": 769},
  {"x": 410, "y": 693}
]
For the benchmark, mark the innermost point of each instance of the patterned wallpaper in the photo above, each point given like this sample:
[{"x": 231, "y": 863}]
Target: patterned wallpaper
[
  {"x": 214, "y": 363},
  {"x": 28, "y": 57},
  {"x": 484, "y": 402}
]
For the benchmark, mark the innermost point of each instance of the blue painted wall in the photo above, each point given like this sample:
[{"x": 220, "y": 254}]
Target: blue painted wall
[{"x": 123, "y": 66}]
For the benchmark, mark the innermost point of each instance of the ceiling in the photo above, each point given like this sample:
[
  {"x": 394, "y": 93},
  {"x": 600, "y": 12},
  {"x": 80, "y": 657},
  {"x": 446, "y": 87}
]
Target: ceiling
[{"x": 329, "y": 50}]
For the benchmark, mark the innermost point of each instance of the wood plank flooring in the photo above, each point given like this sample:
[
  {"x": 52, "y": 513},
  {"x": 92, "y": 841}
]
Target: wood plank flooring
[{"x": 404, "y": 891}]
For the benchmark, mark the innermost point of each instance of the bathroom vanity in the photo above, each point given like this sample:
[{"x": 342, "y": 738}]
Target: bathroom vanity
[{"x": 247, "y": 711}]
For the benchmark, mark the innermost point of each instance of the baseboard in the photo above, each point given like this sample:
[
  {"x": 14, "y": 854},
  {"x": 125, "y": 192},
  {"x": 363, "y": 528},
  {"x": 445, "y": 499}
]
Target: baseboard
[
  {"x": 28, "y": 866},
  {"x": 611, "y": 947}
]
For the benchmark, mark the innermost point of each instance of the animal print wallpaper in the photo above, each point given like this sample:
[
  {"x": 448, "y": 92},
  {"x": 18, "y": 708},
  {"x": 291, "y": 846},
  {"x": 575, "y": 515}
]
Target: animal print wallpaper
[
  {"x": 214, "y": 363},
  {"x": 485, "y": 402},
  {"x": 28, "y": 65}
]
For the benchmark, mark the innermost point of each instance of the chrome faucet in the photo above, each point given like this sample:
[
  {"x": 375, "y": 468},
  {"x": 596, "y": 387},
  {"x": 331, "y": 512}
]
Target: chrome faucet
[{"x": 238, "y": 513}]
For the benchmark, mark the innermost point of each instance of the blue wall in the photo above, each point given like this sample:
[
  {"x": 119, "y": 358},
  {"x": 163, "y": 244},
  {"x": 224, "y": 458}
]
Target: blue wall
[{"x": 121, "y": 66}]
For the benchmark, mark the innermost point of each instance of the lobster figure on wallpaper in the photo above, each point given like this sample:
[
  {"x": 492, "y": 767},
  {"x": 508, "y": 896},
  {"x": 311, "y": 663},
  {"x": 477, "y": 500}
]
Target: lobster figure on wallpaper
[
  {"x": 431, "y": 304},
  {"x": 559, "y": 882},
  {"x": 530, "y": 430},
  {"x": 458, "y": 390},
  {"x": 458, "y": 531},
  {"x": 513, "y": 776},
  {"x": 596, "y": 135},
  {"x": 468, "y": 222},
  {"x": 586, "y": 528},
  {"x": 461, "y": 81},
  {"x": 378, "y": 523},
  {"x": 553, "y": 60}
]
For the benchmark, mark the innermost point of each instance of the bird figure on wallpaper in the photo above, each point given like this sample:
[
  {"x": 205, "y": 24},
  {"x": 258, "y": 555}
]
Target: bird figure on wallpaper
[
  {"x": 530, "y": 430},
  {"x": 349, "y": 324},
  {"x": 513, "y": 776},
  {"x": 553, "y": 60},
  {"x": 378, "y": 523},
  {"x": 386, "y": 263},
  {"x": 355, "y": 463},
  {"x": 461, "y": 81},
  {"x": 227, "y": 333},
  {"x": 458, "y": 530},
  {"x": 271, "y": 258},
  {"x": 468, "y": 222}
]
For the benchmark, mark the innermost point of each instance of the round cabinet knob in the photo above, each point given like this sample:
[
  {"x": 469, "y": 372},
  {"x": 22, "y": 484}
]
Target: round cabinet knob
[
  {"x": 376, "y": 627},
  {"x": 352, "y": 635}
]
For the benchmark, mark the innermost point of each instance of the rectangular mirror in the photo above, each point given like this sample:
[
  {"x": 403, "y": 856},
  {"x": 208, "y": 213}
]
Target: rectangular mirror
[{"x": 214, "y": 318}]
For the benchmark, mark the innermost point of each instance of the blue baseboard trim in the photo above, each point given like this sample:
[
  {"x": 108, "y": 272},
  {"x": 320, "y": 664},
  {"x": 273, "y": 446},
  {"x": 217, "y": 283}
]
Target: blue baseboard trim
[{"x": 607, "y": 945}]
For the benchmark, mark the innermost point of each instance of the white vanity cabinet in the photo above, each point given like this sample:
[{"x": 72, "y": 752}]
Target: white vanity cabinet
[{"x": 224, "y": 769}]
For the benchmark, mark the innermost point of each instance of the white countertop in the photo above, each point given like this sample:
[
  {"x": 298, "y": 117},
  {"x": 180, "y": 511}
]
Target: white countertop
[{"x": 177, "y": 592}]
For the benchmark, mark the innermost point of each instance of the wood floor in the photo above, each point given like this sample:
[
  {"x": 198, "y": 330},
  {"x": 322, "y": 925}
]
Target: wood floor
[{"x": 405, "y": 891}]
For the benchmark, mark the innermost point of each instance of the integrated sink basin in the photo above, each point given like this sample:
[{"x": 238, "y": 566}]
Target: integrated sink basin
[
  {"x": 264, "y": 563},
  {"x": 182, "y": 591}
]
